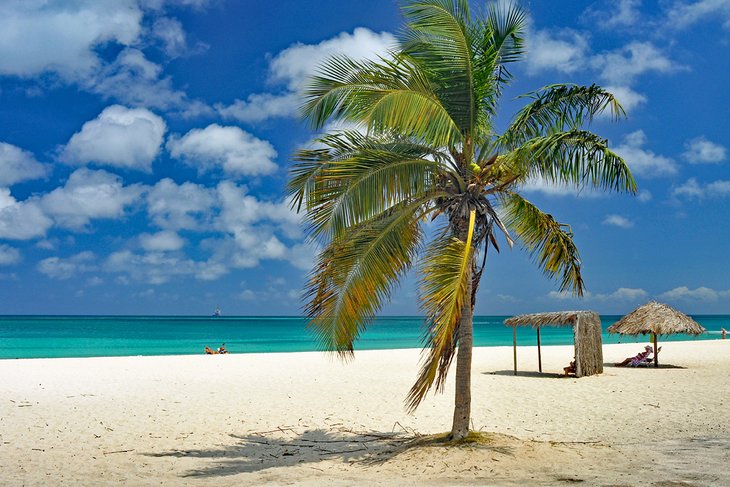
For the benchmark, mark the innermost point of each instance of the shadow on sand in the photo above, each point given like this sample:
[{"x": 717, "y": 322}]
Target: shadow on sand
[
  {"x": 527, "y": 373},
  {"x": 647, "y": 367},
  {"x": 255, "y": 452}
]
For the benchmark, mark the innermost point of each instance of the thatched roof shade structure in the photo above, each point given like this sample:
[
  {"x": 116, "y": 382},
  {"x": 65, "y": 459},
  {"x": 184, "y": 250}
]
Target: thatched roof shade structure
[
  {"x": 586, "y": 337},
  {"x": 656, "y": 319}
]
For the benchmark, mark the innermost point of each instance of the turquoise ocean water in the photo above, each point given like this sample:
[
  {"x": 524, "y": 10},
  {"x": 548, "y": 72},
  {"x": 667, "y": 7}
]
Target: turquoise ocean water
[{"x": 98, "y": 336}]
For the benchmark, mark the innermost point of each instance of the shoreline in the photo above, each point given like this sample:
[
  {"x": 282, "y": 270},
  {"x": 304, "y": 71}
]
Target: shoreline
[
  {"x": 276, "y": 352},
  {"x": 306, "y": 418}
]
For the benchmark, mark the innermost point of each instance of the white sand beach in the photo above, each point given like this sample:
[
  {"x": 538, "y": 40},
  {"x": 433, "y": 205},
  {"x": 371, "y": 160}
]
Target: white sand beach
[{"x": 306, "y": 419}]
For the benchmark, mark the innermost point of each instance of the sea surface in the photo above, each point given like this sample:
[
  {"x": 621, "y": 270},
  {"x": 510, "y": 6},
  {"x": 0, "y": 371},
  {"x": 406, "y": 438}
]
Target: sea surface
[{"x": 102, "y": 336}]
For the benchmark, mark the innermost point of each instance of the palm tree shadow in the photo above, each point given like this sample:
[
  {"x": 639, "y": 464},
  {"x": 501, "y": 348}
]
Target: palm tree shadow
[
  {"x": 526, "y": 373},
  {"x": 255, "y": 452}
]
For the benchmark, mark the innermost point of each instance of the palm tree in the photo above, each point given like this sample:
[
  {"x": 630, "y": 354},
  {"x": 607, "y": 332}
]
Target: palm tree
[{"x": 431, "y": 151}]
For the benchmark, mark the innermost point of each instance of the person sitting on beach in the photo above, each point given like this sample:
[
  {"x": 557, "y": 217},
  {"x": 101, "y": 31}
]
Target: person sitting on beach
[
  {"x": 222, "y": 349},
  {"x": 640, "y": 359},
  {"x": 570, "y": 369}
]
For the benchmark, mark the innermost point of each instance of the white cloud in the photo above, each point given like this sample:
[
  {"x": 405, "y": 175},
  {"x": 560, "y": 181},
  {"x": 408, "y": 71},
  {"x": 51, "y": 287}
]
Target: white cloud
[
  {"x": 644, "y": 195},
  {"x": 540, "y": 185},
  {"x": 18, "y": 165},
  {"x": 701, "y": 293},
  {"x": 702, "y": 151},
  {"x": 618, "y": 221},
  {"x": 623, "y": 294},
  {"x": 682, "y": 15},
  {"x": 21, "y": 220},
  {"x": 622, "y": 66},
  {"x": 9, "y": 255},
  {"x": 644, "y": 162},
  {"x": 623, "y": 13},
  {"x": 564, "y": 50},
  {"x": 628, "y": 98},
  {"x": 62, "y": 37},
  {"x": 171, "y": 35},
  {"x": 160, "y": 267},
  {"x": 294, "y": 66},
  {"x": 234, "y": 151},
  {"x": 87, "y": 195},
  {"x": 303, "y": 256},
  {"x": 176, "y": 207},
  {"x": 161, "y": 241},
  {"x": 695, "y": 190},
  {"x": 135, "y": 80},
  {"x": 261, "y": 106},
  {"x": 122, "y": 137},
  {"x": 65, "y": 38},
  {"x": 59, "y": 268}
]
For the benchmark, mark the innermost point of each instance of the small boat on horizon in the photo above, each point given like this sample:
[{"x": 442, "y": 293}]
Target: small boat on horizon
[{"x": 217, "y": 312}]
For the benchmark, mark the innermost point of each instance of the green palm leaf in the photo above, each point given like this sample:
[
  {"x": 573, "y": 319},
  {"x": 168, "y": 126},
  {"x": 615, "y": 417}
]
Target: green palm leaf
[
  {"x": 550, "y": 243},
  {"x": 446, "y": 270}
]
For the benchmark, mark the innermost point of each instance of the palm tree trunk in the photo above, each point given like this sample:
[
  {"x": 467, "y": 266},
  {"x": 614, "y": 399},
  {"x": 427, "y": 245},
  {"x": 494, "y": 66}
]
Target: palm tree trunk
[{"x": 462, "y": 398}]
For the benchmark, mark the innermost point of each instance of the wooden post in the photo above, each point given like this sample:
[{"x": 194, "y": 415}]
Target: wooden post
[
  {"x": 539, "y": 354},
  {"x": 514, "y": 346},
  {"x": 656, "y": 352}
]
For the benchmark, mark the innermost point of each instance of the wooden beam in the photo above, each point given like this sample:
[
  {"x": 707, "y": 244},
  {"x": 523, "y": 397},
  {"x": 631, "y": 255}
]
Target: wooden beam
[
  {"x": 656, "y": 352},
  {"x": 539, "y": 354}
]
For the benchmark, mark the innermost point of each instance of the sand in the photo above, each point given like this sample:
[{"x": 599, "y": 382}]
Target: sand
[{"x": 306, "y": 419}]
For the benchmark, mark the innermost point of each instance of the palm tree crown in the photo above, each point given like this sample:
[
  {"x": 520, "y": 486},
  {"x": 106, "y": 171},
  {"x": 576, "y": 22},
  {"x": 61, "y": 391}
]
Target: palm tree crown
[{"x": 427, "y": 149}]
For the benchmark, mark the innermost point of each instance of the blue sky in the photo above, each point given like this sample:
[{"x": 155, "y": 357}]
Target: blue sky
[{"x": 144, "y": 147}]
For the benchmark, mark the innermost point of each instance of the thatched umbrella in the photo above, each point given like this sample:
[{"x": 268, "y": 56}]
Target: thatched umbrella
[
  {"x": 586, "y": 337},
  {"x": 656, "y": 319}
]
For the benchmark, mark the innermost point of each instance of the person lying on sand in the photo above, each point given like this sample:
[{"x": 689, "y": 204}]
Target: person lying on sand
[{"x": 639, "y": 360}]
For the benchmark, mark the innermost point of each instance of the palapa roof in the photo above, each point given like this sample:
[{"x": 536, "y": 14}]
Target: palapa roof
[
  {"x": 656, "y": 318},
  {"x": 561, "y": 318}
]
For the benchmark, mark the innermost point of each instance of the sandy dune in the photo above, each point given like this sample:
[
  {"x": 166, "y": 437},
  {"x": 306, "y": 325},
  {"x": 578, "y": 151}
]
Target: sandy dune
[{"x": 304, "y": 418}]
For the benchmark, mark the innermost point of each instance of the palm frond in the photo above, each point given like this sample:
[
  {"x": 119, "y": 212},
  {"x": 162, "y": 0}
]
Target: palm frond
[
  {"x": 559, "y": 108},
  {"x": 358, "y": 179},
  {"x": 354, "y": 275},
  {"x": 575, "y": 158},
  {"x": 550, "y": 243},
  {"x": 391, "y": 94},
  {"x": 446, "y": 270},
  {"x": 437, "y": 39}
]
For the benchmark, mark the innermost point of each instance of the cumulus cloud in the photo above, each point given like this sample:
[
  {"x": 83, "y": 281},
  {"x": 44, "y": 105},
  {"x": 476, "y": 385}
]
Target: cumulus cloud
[
  {"x": 684, "y": 14},
  {"x": 21, "y": 220},
  {"x": 61, "y": 37},
  {"x": 623, "y": 65},
  {"x": 644, "y": 195},
  {"x": 702, "y": 293},
  {"x": 261, "y": 106},
  {"x": 622, "y": 13},
  {"x": 644, "y": 162},
  {"x": 9, "y": 255},
  {"x": 702, "y": 151},
  {"x": 229, "y": 148},
  {"x": 293, "y": 67},
  {"x": 161, "y": 241},
  {"x": 692, "y": 189},
  {"x": 123, "y": 137},
  {"x": 18, "y": 165},
  {"x": 66, "y": 39},
  {"x": 62, "y": 269},
  {"x": 160, "y": 267},
  {"x": 628, "y": 98},
  {"x": 561, "y": 50},
  {"x": 618, "y": 221},
  {"x": 540, "y": 185},
  {"x": 620, "y": 294},
  {"x": 176, "y": 207},
  {"x": 88, "y": 195}
]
